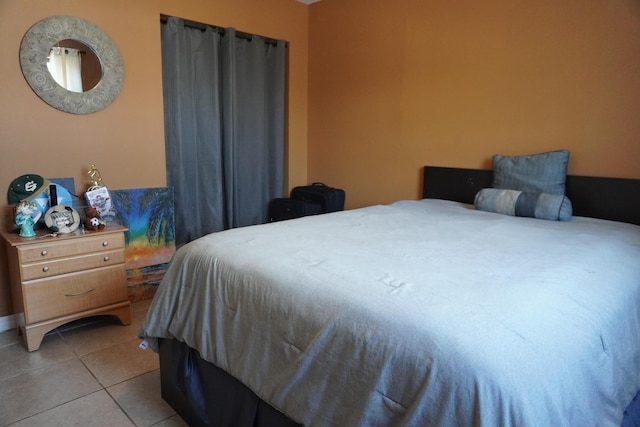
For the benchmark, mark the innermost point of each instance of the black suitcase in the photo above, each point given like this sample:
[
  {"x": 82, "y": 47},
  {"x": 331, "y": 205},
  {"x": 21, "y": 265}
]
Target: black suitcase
[
  {"x": 331, "y": 199},
  {"x": 285, "y": 208}
]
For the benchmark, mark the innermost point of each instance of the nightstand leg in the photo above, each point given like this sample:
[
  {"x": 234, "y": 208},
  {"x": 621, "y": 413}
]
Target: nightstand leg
[
  {"x": 124, "y": 314},
  {"x": 33, "y": 334}
]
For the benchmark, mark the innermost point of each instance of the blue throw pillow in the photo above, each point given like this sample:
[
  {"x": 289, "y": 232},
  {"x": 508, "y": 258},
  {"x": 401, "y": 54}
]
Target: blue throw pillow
[
  {"x": 541, "y": 173},
  {"x": 555, "y": 207}
]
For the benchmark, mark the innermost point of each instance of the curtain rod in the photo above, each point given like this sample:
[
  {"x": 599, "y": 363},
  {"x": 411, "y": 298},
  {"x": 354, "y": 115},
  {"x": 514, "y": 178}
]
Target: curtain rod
[
  {"x": 221, "y": 30},
  {"x": 82, "y": 52}
]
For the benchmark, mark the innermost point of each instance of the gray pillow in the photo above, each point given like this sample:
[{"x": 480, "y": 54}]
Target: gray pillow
[
  {"x": 555, "y": 207},
  {"x": 541, "y": 173}
]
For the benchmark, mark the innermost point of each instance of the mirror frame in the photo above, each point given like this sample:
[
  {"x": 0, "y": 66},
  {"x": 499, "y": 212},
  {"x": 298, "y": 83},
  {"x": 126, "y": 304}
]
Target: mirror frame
[{"x": 35, "y": 47}]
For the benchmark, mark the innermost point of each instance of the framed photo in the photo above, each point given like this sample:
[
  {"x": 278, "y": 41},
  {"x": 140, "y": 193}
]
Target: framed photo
[
  {"x": 100, "y": 199},
  {"x": 62, "y": 219}
]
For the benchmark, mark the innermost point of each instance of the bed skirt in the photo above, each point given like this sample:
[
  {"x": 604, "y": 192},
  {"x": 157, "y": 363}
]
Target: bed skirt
[{"x": 206, "y": 396}]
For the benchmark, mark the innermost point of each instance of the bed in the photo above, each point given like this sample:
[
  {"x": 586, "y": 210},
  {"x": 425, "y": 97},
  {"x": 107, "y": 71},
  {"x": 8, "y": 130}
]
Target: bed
[{"x": 419, "y": 313}]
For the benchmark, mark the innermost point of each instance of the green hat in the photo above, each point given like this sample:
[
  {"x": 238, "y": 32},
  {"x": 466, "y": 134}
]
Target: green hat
[{"x": 27, "y": 187}]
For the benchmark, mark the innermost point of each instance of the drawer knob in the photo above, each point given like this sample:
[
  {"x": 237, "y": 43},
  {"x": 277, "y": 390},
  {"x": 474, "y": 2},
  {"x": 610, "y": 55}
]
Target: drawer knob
[
  {"x": 45, "y": 269},
  {"x": 106, "y": 258},
  {"x": 44, "y": 253},
  {"x": 105, "y": 244}
]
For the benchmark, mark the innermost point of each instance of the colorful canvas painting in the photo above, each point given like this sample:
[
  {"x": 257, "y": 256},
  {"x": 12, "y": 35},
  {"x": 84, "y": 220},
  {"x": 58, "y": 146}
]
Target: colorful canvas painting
[{"x": 150, "y": 241}]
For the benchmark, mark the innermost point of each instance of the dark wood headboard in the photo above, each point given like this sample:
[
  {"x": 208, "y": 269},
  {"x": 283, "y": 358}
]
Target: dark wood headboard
[{"x": 616, "y": 199}]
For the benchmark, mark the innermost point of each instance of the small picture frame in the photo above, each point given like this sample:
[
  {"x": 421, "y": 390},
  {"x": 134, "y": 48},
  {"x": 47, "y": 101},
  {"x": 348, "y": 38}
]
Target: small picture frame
[
  {"x": 62, "y": 219},
  {"x": 100, "y": 199}
]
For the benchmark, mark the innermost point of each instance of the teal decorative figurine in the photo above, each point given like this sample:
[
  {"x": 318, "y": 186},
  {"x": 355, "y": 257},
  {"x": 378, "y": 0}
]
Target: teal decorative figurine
[{"x": 25, "y": 218}]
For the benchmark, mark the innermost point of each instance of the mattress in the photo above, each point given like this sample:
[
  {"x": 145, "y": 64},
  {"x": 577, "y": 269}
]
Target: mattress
[{"x": 416, "y": 313}]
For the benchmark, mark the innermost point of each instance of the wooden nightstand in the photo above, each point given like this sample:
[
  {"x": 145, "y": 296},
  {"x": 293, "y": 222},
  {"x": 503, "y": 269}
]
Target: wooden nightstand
[{"x": 55, "y": 280}]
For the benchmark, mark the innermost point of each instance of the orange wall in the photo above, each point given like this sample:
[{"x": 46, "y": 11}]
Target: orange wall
[
  {"x": 397, "y": 85},
  {"x": 388, "y": 87},
  {"x": 126, "y": 140}
]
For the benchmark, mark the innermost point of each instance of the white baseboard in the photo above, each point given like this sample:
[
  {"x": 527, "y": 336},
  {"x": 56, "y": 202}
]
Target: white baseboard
[{"x": 7, "y": 322}]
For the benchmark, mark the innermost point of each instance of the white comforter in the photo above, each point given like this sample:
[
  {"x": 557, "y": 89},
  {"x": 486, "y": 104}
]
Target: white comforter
[{"x": 420, "y": 313}]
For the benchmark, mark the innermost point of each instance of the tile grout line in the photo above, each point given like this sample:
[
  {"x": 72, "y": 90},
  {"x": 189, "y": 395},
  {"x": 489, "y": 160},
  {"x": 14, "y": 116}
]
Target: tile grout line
[
  {"x": 59, "y": 334},
  {"x": 77, "y": 357},
  {"x": 126, "y": 414},
  {"x": 56, "y": 406}
]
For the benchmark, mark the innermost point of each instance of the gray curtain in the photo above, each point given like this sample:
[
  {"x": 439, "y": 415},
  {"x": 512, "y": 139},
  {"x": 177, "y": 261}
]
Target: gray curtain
[{"x": 224, "y": 108}]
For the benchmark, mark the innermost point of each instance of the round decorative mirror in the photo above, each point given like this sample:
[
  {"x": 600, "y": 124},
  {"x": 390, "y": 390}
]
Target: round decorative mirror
[
  {"x": 71, "y": 64},
  {"x": 74, "y": 66}
]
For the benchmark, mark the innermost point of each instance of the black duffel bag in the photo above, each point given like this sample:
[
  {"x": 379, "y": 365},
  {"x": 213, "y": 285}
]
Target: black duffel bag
[
  {"x": 284, "y": 208},
  {"x": 331, "y": 199}
]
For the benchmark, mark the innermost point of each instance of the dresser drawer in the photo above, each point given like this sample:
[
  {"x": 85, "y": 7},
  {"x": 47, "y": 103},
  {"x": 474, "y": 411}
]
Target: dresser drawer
[
  {"x": 74, "y": 292},
  {"x": 54, "y": 267},
  {"x": 79, "y": 246}
]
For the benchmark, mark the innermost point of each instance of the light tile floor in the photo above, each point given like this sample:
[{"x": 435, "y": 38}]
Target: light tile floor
[{"x": 90, "y": 372}]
